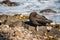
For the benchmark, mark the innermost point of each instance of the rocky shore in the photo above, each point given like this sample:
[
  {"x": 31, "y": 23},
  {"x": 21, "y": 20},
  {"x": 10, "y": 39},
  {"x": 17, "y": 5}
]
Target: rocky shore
[{"x": 17, "y": 27}]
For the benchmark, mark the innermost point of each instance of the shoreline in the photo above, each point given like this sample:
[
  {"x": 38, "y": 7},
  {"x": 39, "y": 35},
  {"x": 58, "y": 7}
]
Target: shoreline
[
  {"x": 53, "y": 23},
  {"x": 19, "y": 30}
]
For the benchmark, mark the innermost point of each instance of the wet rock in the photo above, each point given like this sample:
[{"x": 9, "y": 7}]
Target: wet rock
[
  {"x": 9, "y": 3},
  {"x": 48, "y": 11},
  {"x": 6, "y": 19},
  {"x": 3, "y": 19},
  {"x": 11, "y": 19},
  {"x": 49, "y": 27},
  {"x": 17, "y": 33},
  {"x": 20, "y": 33}
]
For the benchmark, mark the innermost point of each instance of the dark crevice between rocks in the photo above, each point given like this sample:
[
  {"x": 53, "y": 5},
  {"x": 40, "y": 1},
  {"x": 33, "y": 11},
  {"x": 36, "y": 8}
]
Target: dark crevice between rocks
[{"x": 0, "y": 23}]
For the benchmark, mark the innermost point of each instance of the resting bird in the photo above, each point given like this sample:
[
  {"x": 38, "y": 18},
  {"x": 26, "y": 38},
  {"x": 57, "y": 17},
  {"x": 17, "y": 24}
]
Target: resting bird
[{"x": 38, "y": 20}]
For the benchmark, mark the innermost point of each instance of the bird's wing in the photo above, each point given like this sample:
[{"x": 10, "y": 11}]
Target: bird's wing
[
  {"x": 41, "y": 17},
  {"x": 35, "y": 21},
  {"x": 40, "y": 20}
]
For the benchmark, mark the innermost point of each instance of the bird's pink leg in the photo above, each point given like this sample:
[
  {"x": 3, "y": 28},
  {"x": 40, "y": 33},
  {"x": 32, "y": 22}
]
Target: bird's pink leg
[{"x": 37, "y": 28}]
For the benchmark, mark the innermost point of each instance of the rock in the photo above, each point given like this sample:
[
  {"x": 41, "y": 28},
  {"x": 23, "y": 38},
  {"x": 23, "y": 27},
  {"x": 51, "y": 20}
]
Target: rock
[
  {"x": 8, "y": 19},
  {"x": 17, "y": 14},
  {"x": 13, "y": 4},
  {"x": 17, "y": 24},
  {"x": 48, "y": 11},
  {"x": 9, "y": 3},
  {"x": 54, "y": 32}
]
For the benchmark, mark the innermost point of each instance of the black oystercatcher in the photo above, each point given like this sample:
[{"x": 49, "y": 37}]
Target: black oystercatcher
[{"x": 38, "y": 20}]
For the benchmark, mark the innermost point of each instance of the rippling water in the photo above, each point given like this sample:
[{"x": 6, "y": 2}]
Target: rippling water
[{"x": 27, "y": 6}]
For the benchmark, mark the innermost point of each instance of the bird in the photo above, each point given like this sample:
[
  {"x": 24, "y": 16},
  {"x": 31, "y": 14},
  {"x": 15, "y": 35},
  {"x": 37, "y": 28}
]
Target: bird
[{"x": 38, "y": 20}]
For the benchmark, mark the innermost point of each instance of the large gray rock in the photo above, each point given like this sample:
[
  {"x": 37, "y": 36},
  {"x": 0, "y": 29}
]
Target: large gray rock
[{"x": 17, "y": 24}]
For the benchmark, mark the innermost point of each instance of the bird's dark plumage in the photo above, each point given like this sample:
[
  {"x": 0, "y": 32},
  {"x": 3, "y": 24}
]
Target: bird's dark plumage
[{"x": 38, "y": 20}]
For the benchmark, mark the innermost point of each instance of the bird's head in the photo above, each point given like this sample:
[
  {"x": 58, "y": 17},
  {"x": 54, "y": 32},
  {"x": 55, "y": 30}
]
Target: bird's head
[{"x": 33, "y": 13}]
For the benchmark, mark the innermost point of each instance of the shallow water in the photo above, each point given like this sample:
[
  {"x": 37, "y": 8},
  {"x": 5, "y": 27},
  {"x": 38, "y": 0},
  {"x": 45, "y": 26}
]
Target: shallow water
[{"x": 27, "y": 6}]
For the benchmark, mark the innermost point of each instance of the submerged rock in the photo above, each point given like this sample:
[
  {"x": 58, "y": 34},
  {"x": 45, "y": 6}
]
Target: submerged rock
[
  {"x": 9, "y": 3},
  {"x": 48, "y": 11},
  {"x": 3, "y": 17}
]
